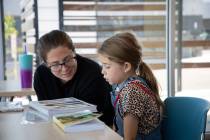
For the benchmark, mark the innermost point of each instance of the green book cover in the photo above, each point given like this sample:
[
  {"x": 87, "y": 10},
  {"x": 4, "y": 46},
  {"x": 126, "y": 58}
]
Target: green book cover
[{"x": 65, "y": 121}]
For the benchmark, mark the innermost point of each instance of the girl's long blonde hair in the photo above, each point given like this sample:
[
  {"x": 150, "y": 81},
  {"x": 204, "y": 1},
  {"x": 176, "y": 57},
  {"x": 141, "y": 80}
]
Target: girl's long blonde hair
[{"x": 124, "y": 47}]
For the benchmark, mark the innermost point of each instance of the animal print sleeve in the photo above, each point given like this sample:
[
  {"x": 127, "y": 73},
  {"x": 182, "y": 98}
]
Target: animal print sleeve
[{"x": 133, "y": 100}]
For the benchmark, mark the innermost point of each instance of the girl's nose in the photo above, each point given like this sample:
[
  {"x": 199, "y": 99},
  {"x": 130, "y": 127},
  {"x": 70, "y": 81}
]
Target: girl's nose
[{"x": 102, "y": 71}]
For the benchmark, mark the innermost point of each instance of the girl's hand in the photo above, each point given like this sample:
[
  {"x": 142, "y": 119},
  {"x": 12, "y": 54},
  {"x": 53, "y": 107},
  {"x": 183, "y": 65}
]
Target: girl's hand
[{"x": 114, "y": 128}]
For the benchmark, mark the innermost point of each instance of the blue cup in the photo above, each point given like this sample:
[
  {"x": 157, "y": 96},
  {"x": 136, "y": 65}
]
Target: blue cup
[{"x": 26, "y": 63}]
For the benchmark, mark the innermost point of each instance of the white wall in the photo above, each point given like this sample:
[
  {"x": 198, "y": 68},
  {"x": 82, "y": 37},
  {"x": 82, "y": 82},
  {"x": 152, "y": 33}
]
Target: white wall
[
  {"x": 196, "y": 7},
  {"x": 48, "y": 17},
  {"x": 12, "y": 7}
]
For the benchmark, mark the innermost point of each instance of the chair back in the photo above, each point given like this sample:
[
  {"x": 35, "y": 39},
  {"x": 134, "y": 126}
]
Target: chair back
[{"x": 184, "y": 118}]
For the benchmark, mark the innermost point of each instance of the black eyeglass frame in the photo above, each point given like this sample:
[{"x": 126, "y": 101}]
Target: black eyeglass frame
[{"x": 58, "y": 66}]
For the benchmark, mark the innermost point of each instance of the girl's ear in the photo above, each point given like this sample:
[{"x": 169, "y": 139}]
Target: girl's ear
[{"x": 127, "y": 67}]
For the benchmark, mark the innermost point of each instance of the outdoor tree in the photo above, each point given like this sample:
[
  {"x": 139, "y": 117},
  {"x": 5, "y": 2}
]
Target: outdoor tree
[
  {"x": 9, "y": 24},
  {"x": 10, "y": 48}
]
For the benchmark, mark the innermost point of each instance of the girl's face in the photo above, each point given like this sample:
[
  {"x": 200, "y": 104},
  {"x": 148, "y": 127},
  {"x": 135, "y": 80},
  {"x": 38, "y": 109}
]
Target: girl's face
[
  {"x": 113, "y": 72},
  {"x": 62, "y": 63}
]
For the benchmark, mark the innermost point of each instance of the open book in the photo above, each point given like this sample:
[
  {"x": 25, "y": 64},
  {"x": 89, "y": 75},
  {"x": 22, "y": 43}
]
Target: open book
[
  {"x": 61, "y": 106},
  {"x": 79, "y": 121}
]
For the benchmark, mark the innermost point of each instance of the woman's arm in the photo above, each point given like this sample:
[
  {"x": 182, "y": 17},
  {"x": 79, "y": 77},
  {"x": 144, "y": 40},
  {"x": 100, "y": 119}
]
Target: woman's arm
[{"x": 130, "y": 127}]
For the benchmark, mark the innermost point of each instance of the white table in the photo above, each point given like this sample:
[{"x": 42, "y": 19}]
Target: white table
[
  {"x": 12, "y": 129},
  {"x": 13, "y": 88}
]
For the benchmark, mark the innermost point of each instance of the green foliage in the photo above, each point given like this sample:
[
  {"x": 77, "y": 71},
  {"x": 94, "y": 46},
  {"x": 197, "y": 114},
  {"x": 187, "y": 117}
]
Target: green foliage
[{"x": 9, "y": 24}]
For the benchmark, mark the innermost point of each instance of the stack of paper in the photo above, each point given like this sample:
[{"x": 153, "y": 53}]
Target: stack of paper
[{"x": 61, "y": 106}]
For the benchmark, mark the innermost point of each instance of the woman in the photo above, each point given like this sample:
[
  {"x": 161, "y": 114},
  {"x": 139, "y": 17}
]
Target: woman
[{"x": 67, "y": 74}]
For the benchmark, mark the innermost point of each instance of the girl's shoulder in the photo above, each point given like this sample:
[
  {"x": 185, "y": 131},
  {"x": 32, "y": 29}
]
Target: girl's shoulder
[
  {"x": 138, "y": 86},
  {"x": 138, "y": 82}
]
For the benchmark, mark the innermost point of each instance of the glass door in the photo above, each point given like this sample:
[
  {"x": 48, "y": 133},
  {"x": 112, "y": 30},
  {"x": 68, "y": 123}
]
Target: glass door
[{"x": 193, "y": 34}]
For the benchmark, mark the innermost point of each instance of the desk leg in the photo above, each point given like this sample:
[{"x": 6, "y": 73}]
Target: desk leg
[
  {"x": 29, "y": 98},
  {"x": 3, "y": 99},
  {"x": 11, "y": 98}
]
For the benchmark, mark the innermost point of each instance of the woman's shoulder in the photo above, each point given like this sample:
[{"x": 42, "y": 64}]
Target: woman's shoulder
[
  {"x": 42, "y": 70},
  {"x": 87, "y": 64}
]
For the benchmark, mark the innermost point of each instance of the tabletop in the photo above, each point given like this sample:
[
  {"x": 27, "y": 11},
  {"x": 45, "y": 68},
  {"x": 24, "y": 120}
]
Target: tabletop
[
  {"x": 11, "y": 128},
  {"x": 10, "y": 88}
]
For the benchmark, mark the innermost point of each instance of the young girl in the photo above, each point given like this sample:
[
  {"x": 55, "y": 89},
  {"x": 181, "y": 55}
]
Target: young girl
[{"x": 136, "y": 97}]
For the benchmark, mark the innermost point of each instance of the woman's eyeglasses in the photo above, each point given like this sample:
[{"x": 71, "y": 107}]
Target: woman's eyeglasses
[{"x": 68, "y": 61}]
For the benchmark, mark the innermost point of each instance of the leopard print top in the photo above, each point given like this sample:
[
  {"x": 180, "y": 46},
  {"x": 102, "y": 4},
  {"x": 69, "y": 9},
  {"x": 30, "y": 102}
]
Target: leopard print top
[{"x": 138, "y": 100}]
